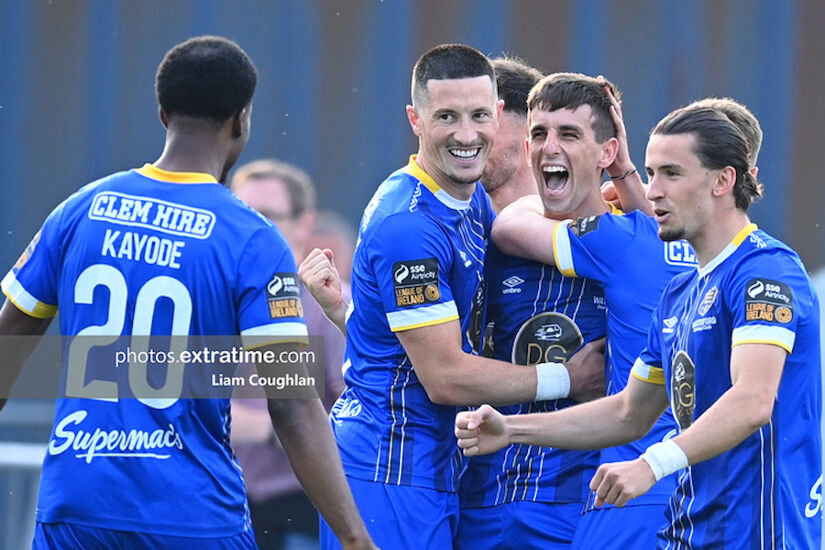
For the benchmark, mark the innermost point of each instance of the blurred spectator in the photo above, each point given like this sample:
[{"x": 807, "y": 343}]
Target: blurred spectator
[{"x": 282, "y": 515}]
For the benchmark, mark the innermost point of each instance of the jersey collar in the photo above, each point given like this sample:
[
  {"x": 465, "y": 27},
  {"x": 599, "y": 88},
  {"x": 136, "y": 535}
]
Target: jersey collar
[
  {"x": 155, "y": 173},
  {"x": 728, "y": 250},
  {"x": 445, "y": 198}
]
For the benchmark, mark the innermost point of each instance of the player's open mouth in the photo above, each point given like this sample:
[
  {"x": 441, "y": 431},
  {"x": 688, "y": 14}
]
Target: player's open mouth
[
  {"x": 555, "y": 177},
  {"x": 660, "y": 214},
  {"x": 469, "y": 153}
]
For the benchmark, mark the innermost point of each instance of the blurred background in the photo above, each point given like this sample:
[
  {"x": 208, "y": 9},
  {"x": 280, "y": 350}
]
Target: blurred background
[{"x": 77, "y": 103}]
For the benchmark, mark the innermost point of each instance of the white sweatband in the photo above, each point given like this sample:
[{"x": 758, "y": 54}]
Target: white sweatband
[
  {"x": 553, "y": 381},
  {"x": 665, "y": 458}
]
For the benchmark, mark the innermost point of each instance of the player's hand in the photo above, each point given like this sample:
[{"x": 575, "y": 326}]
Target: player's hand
[
  {"x": 482, "y": 431},
  {"x": 622, "y": 163},
  {"x": 610, "y": 195},
  {"x": 618, "y": 482},
  {"x": 321, "y": 278},
  {"x": 586, "y": 370}
]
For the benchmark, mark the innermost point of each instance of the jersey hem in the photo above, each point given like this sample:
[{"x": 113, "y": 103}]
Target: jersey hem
[{"x": 117, "y": 524}]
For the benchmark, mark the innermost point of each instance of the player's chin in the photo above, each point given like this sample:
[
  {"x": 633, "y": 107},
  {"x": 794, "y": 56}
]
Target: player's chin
[
  {"x": 668, "y": 234},
  {"x": 467, "y": 176}
]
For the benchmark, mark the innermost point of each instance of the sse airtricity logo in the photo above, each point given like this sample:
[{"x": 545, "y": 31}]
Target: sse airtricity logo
[
  {"x": 401, "y": 274},
  {"x": 756, "y": 289}
]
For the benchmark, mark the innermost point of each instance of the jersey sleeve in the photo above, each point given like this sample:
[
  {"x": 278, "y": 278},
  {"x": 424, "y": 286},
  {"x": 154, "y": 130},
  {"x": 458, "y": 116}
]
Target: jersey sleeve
[
  {"x": 648, "y": 365},
  {"x": 411, "y": 260},
  {"x": 32, "y": 282},
  {"x": 269, "y": 292},
  {"x": 590, "y": 247},
  {"x": 767, "y": 297}
]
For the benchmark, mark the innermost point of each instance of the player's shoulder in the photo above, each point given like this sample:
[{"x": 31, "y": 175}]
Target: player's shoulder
[
  {"x": 759, "y": 250},
  {"x": 612, "y": 223}
]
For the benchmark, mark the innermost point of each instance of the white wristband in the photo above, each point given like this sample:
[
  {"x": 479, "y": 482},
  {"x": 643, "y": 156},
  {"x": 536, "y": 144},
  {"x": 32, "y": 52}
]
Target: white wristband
[
  {"x": 553, "y": 381},
  {"x": 665, "y": 458}
]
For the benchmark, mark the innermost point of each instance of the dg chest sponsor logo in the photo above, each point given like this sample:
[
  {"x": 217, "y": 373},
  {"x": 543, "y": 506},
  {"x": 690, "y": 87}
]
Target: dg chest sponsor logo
[
  {"x": 283, "y": 296},
  {"x": 415, "y": 282},
  {"x": 683, "y": 389},
  {"x": 548, "y": 336},
  {"x": 768, "y": 300}
]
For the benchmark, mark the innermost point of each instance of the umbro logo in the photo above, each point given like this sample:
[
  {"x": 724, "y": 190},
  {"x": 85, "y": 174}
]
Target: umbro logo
[
  {"x": 511, "y": 283},
  {"x": 669, "y": 324}
]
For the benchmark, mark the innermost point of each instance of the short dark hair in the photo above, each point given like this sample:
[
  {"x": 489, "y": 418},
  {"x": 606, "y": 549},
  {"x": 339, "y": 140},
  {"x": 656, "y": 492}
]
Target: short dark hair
[
  {"x": 741, "y": 117},
  {"x": 299, "y": 185},
  {"x": 571, "y": 91},
  {"x": 718, "y": 143},
  {"x": 448, "y": 62},
  {"x": 207, "y": 77},
  {"x": 514, "y": 79}
]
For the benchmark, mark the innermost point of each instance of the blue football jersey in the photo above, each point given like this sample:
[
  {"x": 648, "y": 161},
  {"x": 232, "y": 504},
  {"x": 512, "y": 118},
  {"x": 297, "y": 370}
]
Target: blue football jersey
[
  {"x": 418, "y": 262},
  {"x": 625, "y": 255},
  {"x": 534, "y": 314},
  {"x": 763, "y": 492},
  {"x": 152, "y": 252}
]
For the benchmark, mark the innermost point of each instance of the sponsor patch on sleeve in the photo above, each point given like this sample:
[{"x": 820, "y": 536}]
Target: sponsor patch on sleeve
[
  {"x": 24, "y": 257},
  {"x": 768, "y": 300},
  {"x": 582, "y": 226},
  {"x": 283, "y": 296},
  {"x": 415, "y": 282}
]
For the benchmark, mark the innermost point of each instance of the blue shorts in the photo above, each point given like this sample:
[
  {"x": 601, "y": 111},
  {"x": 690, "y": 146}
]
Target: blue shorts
[
  {"x": 521, "y": 524},
  {"x": 628, "y": 528},
  {"x": 401, "y": 517},
  {"x": 70, "y": 536}
]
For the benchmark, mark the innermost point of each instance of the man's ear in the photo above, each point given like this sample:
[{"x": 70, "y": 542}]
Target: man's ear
[
  {"x": 415, "y": 120},
  {"x": 163, "y": 118},
  {"x": 608, "y": 153},
  {"x": 237, "y": 123},
  {"x": 724, "y": 181}
]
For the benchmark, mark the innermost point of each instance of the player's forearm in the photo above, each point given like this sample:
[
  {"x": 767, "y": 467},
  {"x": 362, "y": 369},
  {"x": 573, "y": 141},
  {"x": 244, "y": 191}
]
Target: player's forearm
[
  {"x": 597, "y": 424},
  {"x": 303, "y": 429},
  {"x": 521, "y": 229},
  {"x": 338, "y": 315},
  {"x": 631, "y": 190},
  {"x": 480, "y": 380}
]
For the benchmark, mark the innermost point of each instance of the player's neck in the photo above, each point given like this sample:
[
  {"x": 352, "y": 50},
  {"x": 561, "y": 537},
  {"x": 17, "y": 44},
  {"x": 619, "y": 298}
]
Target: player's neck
[
  {"x": 511, "y": 191},
  {"x": 718, "y": 233},
  {"x": 192, "y": 152}
]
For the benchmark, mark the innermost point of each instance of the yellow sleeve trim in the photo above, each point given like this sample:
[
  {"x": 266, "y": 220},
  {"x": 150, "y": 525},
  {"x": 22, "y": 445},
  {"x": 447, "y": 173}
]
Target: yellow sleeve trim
[
  {"x": 425, "y": 324},
  {"x": 276, "y": 340},
  {"x": 769, "y": 342},
  {"x": 40, "y": 311},
  {"x": 657, "y": 376},
  {"x": 560, "y": 250}
]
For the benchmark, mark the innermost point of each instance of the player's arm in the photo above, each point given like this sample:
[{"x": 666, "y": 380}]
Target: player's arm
[
  {"x": 521, "y": 229},
  {"x": 755, "y": 371},
  {"x": 613, "y": 420},
  {"x": 320, "y": 276},
  {"x": 625, "y": 190},
  {"x": 15, "y": 351},
  {"x": 747, "y": 406},
  {"x": 303, "y": 429},
  {"x": 452, "y": 377}
]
